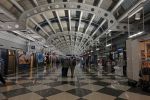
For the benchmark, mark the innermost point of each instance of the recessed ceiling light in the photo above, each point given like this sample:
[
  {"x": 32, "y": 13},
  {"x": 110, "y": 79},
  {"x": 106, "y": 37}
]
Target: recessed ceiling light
[
  {"x": 9, "y": 26},
  {"x": 16, "y": 26},
  {"x": 56, "y": 6}
]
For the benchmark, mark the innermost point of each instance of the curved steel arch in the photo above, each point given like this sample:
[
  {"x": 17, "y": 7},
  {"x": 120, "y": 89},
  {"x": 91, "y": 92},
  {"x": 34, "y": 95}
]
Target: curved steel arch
[
  {"x": 64, "y": 47},
  {"x": 46, "y": 23},
  {"x": 68, "y": 6},
  {"x": 72, "y": 42},
  {"x": 73, "y": 33},
  {"x": 59, "y": 44}
]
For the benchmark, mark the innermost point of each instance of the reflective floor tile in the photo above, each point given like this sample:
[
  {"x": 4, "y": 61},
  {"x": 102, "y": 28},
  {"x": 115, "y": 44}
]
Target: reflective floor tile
[
  {"x": 119, "y": 87},
  {"x": 134, "y": 96},
  {"x": 110, "y": 91},
  {"x": 101, "y": 83},
  {"x": 45, "y": 81},
  {"x": 120, "y": 99},
  {"x": 8, "y": 84},
  {"x": 67, "y": 79},
  {"x": 54, "y": 84},
  {"x": 29, "y": 84},
  {"x": 78, "y": 84},
  {"x": 10, "y": 87},
  {"x": 88, "y": 81},
  {"x": 139, "y": 91},
  {"x": 80, "y": 92},
  {"x": 99, "y": 96},
  {"x": 65, "y": 87},
  {"x": 2, "y": 97},
  {"x": 16, "y": 92},
  {"x": 38, "y": 87},
  {"x": 28, "y": 96},
  {"x": 92, "y": 87},
  {"x": 48, "y": 92},
  {"x": 81, "y": 99},
  {"x": 44, "y": 99},
  {"x": 24, "y": 81},
  {"x": 63, "y": 96},
  {"x": 108, "y": 80}
]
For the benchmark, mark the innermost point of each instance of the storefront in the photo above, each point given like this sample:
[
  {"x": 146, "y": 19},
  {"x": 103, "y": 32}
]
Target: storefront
[{"x": 138, "y": 59}]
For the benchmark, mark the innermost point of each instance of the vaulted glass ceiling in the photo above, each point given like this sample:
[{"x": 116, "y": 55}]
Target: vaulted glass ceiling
[{"x": 69, "y": 25}]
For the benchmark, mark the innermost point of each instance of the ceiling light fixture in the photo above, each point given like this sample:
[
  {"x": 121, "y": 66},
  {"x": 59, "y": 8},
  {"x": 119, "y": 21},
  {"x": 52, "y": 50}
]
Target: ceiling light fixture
[
  {"x": 137, "y": 16},
  {"x": 132, "y": 14},
  {"x": 97, "y": 49},
  {"x": 108, "y": 45},
  {"x": 137, "y": 34},
  {"x": 46, "y": 46},
  {"x": 108, "y": 32}
]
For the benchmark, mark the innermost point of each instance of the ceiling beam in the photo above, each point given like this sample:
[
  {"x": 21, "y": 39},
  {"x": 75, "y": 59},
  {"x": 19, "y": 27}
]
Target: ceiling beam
[
  {"x": 89, "y": 24},
  {"x": 36, "y": 33},
  {"x": 100, "y": 3},
  {"x": 133, "y": 7},
  {"x": 59, "y": 21},
  {"x": 7, "y": 13},
  {"x": 81, "y": 14},
  {"x": 69, "y": 20},
  {"x": 115, "y": 7},
  {"x": 14, "y": 2},
  {"x": 39, "y": 26},
  {"x": 69, "y": 17},
  {"x": 93, "y": 16},
  {"x": 45, "y": 17},
  {"x": 21, "y": 34},
  {"x": 67, "y": 33},
  {"x": 98, "y": 28},
  {"x": 35, "y": 2},
  {"x": 64, "y": 47}
]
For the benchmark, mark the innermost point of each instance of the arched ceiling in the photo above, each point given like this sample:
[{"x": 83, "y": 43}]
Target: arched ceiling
[{"x": 69, "y": 25}]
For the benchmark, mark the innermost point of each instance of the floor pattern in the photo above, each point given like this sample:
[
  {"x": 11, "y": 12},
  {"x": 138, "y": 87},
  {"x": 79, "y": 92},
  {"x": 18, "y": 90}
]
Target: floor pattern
[{"x": 84, "y": 86}]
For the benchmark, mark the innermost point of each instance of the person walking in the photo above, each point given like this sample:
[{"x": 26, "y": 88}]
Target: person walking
[
  {"x": 72, "y": 67},
  {"x": 24, "y": 62},
  {"x": 1, "y": 71},
  {"x": 2, "y": 79},
  {"x": 65, "y": 66}
]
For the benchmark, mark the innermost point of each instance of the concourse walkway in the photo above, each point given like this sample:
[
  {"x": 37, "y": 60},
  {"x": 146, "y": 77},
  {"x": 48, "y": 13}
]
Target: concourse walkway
[{"x": 84, "y": 86}]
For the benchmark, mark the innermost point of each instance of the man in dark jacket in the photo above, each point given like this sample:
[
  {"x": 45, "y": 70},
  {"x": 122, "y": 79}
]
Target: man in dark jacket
[
  {"x": 65, "y": 66},
  {"x": 72, "y": 67}
]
